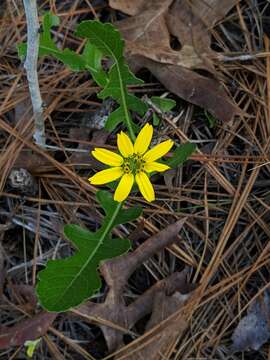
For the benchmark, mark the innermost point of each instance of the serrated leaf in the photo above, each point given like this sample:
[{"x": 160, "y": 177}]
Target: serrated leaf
[
  {"x": 74, "y": 61},
  {"x": 181, "y": 154},
  {"x": 118, "y": 77},
  {"x": 47, "y": 46},
  {"x": 103, "y": 40},
  {"x": 66, "y": 283},
  {"x": 163, "y": 104},
  {"x": 104, "y": 36},
  {"x": 109, "y": 41}
]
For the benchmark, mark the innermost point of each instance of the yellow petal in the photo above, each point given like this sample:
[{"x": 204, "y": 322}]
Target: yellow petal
[
  {"x": 107, "y": 157},
  {"x": 124, "y": 187},
  {"x": 106, "y": 176},
  {"x": 145, "y": 186},
  {"x": 125, "y": 145},
  {"x": 143, "y": 139},
  {"x": 158, "y": 151},
  {"x": 155, "y": 166}
]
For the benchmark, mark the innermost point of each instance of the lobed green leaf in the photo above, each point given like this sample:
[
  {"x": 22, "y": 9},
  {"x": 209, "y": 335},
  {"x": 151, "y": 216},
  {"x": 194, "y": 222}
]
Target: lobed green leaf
[
  {"x": 109, "y": 41},
  {"x": 66, "y": 283}
]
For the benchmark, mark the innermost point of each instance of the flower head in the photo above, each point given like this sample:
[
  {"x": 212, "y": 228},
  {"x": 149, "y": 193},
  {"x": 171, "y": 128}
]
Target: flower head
[{"x": 133, "y": 164}]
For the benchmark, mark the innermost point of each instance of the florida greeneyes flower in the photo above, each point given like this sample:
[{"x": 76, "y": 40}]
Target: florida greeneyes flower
[{"x": 133, "y": 164}]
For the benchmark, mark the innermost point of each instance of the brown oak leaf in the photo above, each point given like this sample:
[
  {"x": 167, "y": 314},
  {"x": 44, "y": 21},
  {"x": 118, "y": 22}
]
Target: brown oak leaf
[{"x": 149, "y": 33}]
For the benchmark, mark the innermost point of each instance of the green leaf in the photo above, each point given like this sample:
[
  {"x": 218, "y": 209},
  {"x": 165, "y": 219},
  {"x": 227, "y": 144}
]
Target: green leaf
[
  {"x": 136, "y": 104},
  {"x": 93, "y": 56},
  {"x": 124, "y": 216},
  {"x": 211, "y": 120},
  {"x": 104, "y": 36},
  {"x": 74, "y": 61},
  {"x": 47, "y": 46},
  {"x": 50, "y": 20},
  {"x": 66, "y": 283},
  {"x": 181, "y": 154},
  {"x": 156, "y": 120},
  {"x": 109, "y": 41},
  {"x": 114, "y": 119},
  {"x": 119, "y": 77},
  {"x": 22, "y": 50},
  {"x": 103, "y": 40},
  {"x": 31, "y": 346},
  {"x": 163, "y": 103}
]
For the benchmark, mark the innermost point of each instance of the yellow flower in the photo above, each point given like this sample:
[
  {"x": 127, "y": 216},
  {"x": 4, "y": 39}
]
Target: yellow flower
[{"x": 133, "y": 165}]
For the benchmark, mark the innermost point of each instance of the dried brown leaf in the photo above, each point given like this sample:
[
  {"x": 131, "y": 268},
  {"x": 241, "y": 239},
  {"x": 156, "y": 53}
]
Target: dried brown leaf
[
  {"x": 163, "y": 307},
  {"x": 24, "y": 294},
  {"x": 148, "y": 44},
  {"x": 129, "y": 7},
  {"x": 211, "y": 11},
  {"x": 29, "y": 329},
  {"x": 193, "y": 87},
  {"x": 113, "y": 316},
  {"x": 147, "y": 34}
]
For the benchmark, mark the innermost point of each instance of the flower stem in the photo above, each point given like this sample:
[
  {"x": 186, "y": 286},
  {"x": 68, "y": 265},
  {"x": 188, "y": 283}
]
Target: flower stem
[
  {"x": 112, "y": 219},
  {"x": 124, "y": 104},
  {"x": 129, "y": 125}
]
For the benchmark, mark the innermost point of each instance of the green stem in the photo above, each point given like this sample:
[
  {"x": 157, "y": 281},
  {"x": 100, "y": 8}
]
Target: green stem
[
  {"x": 124, "y": 103},
  {"x": 129, "y": 125},
  {"x": 110, "y": 223}
]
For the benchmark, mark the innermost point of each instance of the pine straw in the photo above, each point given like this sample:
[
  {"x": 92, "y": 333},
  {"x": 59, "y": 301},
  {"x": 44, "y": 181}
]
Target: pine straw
[{"x": 224, "y": 193}]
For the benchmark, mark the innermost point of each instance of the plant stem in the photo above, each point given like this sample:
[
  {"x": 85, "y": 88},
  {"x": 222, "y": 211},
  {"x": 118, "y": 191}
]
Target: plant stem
[
  {"x": 129, "y": 125},
  {"x": 110, "y": 223},
  {"x": 124, "y": 103},
  {"x": 30, "y": 66}
]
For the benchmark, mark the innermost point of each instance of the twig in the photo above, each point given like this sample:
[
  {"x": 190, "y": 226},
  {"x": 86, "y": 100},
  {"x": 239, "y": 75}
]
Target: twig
[{"x": 30, "y": 66}]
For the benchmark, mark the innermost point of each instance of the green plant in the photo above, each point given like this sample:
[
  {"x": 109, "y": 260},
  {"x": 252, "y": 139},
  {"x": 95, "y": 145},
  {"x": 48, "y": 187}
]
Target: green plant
[
  {"x": 210, "y": 119},
  {"x": 66, "y": 283}
]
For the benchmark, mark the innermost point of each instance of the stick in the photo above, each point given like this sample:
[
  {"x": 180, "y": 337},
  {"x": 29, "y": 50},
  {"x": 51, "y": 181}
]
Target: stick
[{"x": 30, "y": 66}]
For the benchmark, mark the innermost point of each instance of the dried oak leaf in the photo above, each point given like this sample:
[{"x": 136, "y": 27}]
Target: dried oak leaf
[
  {"x": 148, "y": 37},
  {"x": 195, "y": 88},
  {"x": 114, "y": 311},
  {"x": 164, "y": 336},
  {"x": 148, "y": 34},
  {"x": 129, "y": 7}
]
